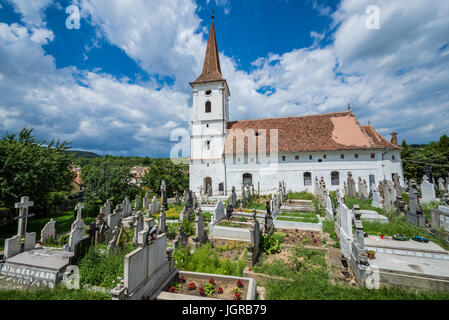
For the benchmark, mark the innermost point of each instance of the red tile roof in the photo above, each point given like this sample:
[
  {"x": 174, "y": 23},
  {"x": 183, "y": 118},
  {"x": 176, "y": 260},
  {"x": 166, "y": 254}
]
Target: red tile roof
[
  {"x": 211, "y": 68},
  {"x": 321, "y": 132}
]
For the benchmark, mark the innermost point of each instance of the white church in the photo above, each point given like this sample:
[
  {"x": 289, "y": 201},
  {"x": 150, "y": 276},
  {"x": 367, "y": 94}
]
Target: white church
[{"x": 226, "y": 154}]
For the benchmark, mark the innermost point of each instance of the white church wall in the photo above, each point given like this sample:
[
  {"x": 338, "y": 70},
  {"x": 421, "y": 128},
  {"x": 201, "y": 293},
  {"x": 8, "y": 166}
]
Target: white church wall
[{"x": 292, "y": 170}]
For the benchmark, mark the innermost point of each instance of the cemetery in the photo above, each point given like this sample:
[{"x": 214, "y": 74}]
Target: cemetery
[{"x": 170, "y": 249}]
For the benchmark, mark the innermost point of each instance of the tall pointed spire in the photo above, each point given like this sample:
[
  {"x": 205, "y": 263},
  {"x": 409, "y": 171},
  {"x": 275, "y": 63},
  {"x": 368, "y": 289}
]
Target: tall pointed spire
[{"x": 211, "y": 68}]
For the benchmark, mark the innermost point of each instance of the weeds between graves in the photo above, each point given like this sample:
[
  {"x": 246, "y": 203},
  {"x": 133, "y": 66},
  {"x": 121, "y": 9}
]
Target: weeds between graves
[
  {"x": 363, "y": 204},
  {"x": 206, "y": 260},
  {"x": 58, "y": 293},
  {"x": 101, "y": 268},
  {"x": 303, "y": 195},
  {"x": 310, "y": 280}
]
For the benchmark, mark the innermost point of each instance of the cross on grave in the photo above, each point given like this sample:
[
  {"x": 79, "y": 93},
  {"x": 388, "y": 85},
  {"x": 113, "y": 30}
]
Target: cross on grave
[
  {"x": 79, "y": 209},
  {"x": 23, "y": 205}
]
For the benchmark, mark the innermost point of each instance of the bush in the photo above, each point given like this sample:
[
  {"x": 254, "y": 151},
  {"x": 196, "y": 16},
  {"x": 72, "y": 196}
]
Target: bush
[
  {"x": 102, "y": 269},
  {"x": 271, "y": 243}
]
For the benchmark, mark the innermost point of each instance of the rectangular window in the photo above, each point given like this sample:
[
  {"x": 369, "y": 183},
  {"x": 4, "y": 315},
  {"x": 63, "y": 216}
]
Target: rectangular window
[
  {"x": 310, "y": 157},
  {"x": 393, "y": 157},
  {"x": 283, "y": 158},
  {"x": 324, "y": 156},
  {"x": 296, "y": 157},
  {"x": 356, "y": 156},
  {"x": 373, "y": 155},
  {"x": 342, "y": 156},
  {"x": 208, "y": 145}
]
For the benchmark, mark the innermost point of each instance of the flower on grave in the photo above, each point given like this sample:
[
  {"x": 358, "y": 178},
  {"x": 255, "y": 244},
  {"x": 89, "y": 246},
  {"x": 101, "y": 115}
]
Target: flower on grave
[
  {"x": 212, "y": 281},
  {"x": 220, "y": 290},
  {"x": 192, "y": 286},
  {"x": 249, "y": 269},
  {"x": 119, "y": 278},
  {"x": 296, "y": 230},
  {"x": 237, "y": 296},
  {"x": 287, "y": 235},
  {"x": 202, "y": 293},
  {"x": 239, "y": 283},
  {"x": 182, "y": 279},
  {"x": 172, "y": 289}
]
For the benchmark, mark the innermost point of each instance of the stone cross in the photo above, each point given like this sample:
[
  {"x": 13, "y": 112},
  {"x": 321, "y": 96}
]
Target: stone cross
[
  {"x": 163, "y": 221},
  {"x": 351, "y": 186},
  {"x": 164, "y": 195},
  {"x": 79, "y": 210},
  {"x": 23, "y": 206}
]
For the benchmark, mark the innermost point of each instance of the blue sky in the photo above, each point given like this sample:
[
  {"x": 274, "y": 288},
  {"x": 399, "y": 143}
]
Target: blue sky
[{"x": 119, "y": 84}]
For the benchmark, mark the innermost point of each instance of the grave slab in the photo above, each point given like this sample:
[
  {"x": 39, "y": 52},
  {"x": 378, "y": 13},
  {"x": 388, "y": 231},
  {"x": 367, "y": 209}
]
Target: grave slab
[
  {"x": 409, "y": 245},
  {"x": 373, "y": 216},
  {"x": 51, "y": 259}
]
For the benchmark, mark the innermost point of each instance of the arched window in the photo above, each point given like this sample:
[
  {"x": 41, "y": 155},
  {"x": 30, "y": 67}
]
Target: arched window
[
  {"x": 208, "y": 107},
  {"x": 335, "y": 178},
  {"x": 307, "y": 179},
  {"x": 247, "y": 179}
]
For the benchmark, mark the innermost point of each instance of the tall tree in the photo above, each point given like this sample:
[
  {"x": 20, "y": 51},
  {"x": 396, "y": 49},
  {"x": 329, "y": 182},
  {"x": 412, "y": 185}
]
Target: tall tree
[
  {"x": 175, "y": 176},
  {"x": 103, "y": 181},
  {"x": 34, "y": 169}
]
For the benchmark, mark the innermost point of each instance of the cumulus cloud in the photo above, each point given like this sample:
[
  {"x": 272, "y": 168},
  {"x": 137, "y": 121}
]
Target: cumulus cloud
[
  {"x": 396, "y": 77},
  {"x": 32, "y": 11}
]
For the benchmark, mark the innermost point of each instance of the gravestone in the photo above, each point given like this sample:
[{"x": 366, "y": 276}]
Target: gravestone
[
  {"x": 376, "y": 197},
  {"x": 414, "y": 214},
  {"x": 48, "y": 233},
  {"x": 428, "y": 173},
  {"x": 154, "y": 206},
  {"x": 109, "y": 205},
  {"x": 163, "y": 222},
  {"x": 177, "y": 200},
  {"x": 201, "y": 235},
  {"x": 360, "y": 187},
  {"x": 145, "y": 201},
  {"x": 233, "y": 198},
  {"x": 345, "y": 188},
  {"x": 253, "y": 248},
  {"x": 441, "y": 184},
  {"x": 351, "y": 186},
  {"x": 388, "y": 204},
  {"x": 164, "y": 195},
  {"x": 427, "y": 190},
  {"x": 138, "y": 226},
  {"x": 136, "y": 203},
  {"x": 76, "y": 233},
  {"x": 219, "y": 214},
  {"x": 365, "y": 191},
  {"x": 13, "y": 245},
  {"x": 182, "y": 239},
  {"x": 115, "y": 217}
]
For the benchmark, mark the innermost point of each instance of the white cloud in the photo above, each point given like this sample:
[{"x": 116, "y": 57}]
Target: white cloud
[
  {"x": 31, "y": 10},
  {"x": 396, "y": 77}
]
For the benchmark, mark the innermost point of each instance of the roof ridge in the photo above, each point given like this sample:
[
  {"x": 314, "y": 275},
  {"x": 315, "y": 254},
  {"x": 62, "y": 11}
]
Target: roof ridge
[{"x": 293, "y": 117}]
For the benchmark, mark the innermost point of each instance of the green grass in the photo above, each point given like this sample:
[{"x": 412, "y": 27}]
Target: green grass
[
  {"x": 296, "y": 219},
  {"x": 206, "y": 260},
  {"x": 311, "y": 281},
  {"x": 303, "y": 195},
  {"x": 102, "y": 269},
  {"x": 363, "y": 204},
  {"x": 63, "y": 220},
  {"x": 296, "y": 213},
  {"x": 59, "y": 293},
  {"x": 426, "y": 207},
  {"x": 233, "y": 224}
]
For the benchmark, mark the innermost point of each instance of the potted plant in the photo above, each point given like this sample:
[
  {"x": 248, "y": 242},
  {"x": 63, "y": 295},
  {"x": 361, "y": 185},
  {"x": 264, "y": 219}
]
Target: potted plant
[{"x": 371, "y": 254}]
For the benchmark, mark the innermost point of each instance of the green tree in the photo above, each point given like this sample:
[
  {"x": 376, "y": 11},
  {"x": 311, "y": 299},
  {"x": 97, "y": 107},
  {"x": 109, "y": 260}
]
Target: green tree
[
  {"x": 104, "y": 181},
  {"x": 175, "y": 176},
  {"x": 35, "y": 169}
]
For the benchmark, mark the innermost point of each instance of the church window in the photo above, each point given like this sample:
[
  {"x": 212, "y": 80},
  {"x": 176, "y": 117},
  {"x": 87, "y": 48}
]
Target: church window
[
  {"x": 324, "y": 156},
  {"x": 356, "y": 155},
  {"x": 393, "y": 157},
  {"x": 335, "y": 178},
  {"x": 208, "y": 92},
  {"x": 310, "y": 157},
  {"x": 320, "y": 160},
  {"x": 208, "y": 107},
  {"x": 342, "y": 156},
  {"x": 208, "y": 145},
  {"x": 283, "y": 158},
  {"x": 307, "y": 179},
  {"x": 373, "y": 155},
  {"x": 296, "y": 157}
]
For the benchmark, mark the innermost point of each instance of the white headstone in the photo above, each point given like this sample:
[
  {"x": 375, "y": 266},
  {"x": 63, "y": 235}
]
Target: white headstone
[
  {"x": 49, "y": 231},
  {"x": 427, "y": 190}
]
